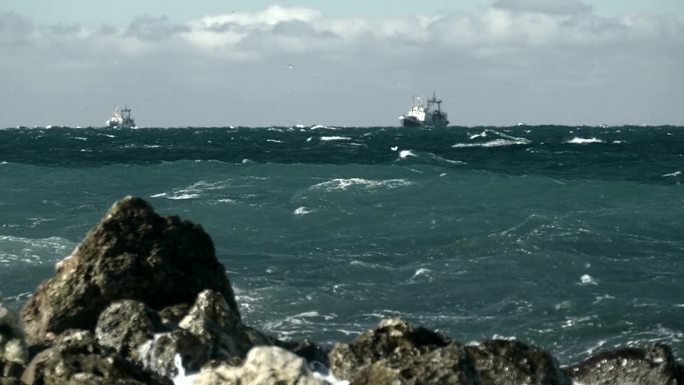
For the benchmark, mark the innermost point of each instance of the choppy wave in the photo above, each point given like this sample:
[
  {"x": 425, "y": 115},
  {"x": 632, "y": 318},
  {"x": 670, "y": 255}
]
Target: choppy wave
[
  {"x": 26, "y": 251},
  {"x": 344, "y": 184},
  {"x": 578, "y": 140}
]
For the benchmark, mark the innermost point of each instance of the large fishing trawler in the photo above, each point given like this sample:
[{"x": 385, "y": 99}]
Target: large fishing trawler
[
  {"x": 425, "y": 115},
  {"x": 121, "y": 118}
]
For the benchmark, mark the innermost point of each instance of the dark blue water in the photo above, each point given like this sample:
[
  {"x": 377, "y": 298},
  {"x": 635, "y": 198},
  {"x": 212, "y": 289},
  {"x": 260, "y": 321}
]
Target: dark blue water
[{"x": 565, "y": 237}]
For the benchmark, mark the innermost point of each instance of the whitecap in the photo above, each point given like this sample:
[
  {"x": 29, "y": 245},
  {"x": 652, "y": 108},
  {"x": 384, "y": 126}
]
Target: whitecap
[
  {"x": 334, "y": 138},
  {"x": 578, "y": 140},
  {"x": 483, "y": 134},
  {"x": 318, "y": 126},
  {"x": 344, "y": 184},
  {"x": 587, "y": 279},
  {"x": 183, "y": 196},
  {"x": 403, "y": 154},
  {"x": 676, "y": 173},
  {"x": 494, "y": 143},
  {"x": 394, "y": 148},
  {"x": 274, "y": 141},
  {"x": 422, "y": 273},
  {"x": 301, "y": 211}
]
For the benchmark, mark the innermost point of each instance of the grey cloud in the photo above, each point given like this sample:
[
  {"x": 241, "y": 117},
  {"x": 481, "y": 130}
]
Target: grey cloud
[
  {"x": 14, "y": 30},
  {"x": 154, "y": 28},
  {"x": 564, "y": 7},
  {"x": 490, "y": 67}
]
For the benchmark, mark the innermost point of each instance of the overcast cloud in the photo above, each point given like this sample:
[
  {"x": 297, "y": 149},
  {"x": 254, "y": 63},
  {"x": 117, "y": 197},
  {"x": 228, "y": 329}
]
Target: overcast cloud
[{"x": 550, "y": 61}]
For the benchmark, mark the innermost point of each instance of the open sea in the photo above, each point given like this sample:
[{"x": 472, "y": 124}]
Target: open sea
[{"x": 570, "y": 238}]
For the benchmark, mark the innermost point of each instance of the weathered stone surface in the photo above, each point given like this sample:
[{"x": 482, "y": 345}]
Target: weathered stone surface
[
  {"x": 308, "y": 350},
  {"x": 12, "y": 345},
  {"x": 263, "y": 365},
  {"x": 504, "y": 362},
  {"x": 653, "y": 365},
  {"x": 76, "y": 358},
  {"x": 218, "y": 326},
  {"x": 10, "y": 381},
  {"x": 133, "y": 253},
  {"x": 448, "y": 365},
  {"x": 125, "y": 325},
  {"x": 394, "y": 341}
]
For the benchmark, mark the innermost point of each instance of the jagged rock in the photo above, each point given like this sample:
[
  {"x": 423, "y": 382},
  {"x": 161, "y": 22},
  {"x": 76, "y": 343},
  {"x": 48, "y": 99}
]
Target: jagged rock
[
  {"x": 448, "y": 365},
  {"x": 133, "y": 253},
  {"x": 308, "y": 350},
  {"x": 504, "y": 362},
  {"x": 263, "y": 365},
  {"x": 218, "y": 326},
  {"x": 125, "y": 325},
  {"x": 12, "y": 345},
  {"x": 75, "y": 357},
  {"x": 653, "y": 365},
  {"x": 397, "y": 346},
  {"x": 10, "y": 381}
]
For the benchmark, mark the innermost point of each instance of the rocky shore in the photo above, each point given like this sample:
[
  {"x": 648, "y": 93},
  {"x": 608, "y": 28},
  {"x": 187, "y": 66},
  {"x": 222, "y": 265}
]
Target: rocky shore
[{"x": 143, "y": 300}]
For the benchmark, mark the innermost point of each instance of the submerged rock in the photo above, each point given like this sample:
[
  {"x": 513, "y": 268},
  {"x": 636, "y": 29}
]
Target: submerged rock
[
  {"x": 263, "y": 365},
  {"x": 133, "y": 253},
  {"x": 653, "y": 365}
]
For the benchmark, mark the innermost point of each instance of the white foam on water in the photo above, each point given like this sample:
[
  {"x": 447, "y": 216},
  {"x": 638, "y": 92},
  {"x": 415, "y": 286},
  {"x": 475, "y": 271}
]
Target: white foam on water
[
  {"x": 301, "y": 211},
  {"x": 182, "y": 378},
  {"x": 322, "y": 372},
  {"x": 422, "y": 274},
  {"x": 483, "y": 134},
  {"x": 32, "y": 251},
  {"x": 334, "y": 138},
  {"x": 494, "y": 143},
  {"x": 587, "y": 279},
  {"x": 394, "y": 148},
  {"x": 274, "y": 141},
  {"x": 578, "y": 140},
  {"x": 403, "y": 154},
  {"x": 194, "y": 191},
  {"x": 344, "y": 184},
  {"x": 318, "y": 126},
  {"x": 676, "y": 173}
]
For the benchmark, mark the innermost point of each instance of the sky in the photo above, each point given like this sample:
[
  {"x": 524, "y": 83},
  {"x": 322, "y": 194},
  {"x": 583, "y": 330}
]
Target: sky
[{"x": 351, "y": 63}]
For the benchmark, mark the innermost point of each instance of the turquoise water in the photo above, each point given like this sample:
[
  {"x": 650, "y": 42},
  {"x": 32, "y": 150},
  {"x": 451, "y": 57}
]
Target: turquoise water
[{"x": 569, "y": 238}]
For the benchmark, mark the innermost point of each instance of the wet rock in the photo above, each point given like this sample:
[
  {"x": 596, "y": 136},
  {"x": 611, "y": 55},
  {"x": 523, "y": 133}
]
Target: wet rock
[
  {"x": 10, "y": 381},
  {"x": 653, "y": 365},
  {"x": 170, "y": 353},
  {"x": 263, "y": 365},
  {"x": 504, "y": 362},
  {"x": 394, "y": 341},
  {"x": 125, "y": 325},
  {"x": 133, "y": 253},
  {"x": 75, "y": 357},
  {"x": 218, "y": 326},
  {"x": 448, "y": 365},
  {"x": 308, "y": 350}
]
